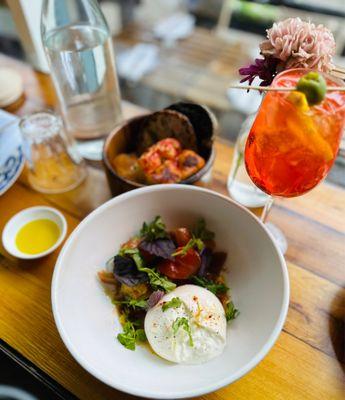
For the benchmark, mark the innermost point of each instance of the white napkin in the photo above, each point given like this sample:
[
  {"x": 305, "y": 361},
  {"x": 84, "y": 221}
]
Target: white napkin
[
  {"x": 137, "y": 61},
  {"x": 176, "y": 26},
  {"x": 247, "y": 103}
]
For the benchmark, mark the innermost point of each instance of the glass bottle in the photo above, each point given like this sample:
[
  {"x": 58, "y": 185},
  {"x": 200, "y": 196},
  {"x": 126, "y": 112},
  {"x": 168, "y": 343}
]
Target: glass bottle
[{"x": 79, "y": 48}]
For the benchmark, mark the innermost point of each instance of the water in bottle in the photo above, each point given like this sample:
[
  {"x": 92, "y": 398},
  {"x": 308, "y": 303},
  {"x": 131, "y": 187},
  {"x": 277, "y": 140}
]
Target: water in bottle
[{"x": 80, "y": 53}]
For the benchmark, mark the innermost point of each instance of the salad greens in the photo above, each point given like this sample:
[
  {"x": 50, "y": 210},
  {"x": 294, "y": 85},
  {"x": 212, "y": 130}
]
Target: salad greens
[
  {"x": 231, "y": 312},
  {"x": 163, "y": 248},
  {"x": 146, "y": 267},
  {"x": 201, "y": 232},
  {"x": 126, "y": 272},
  {"x": 134, "y": 303},
  {"x": 157, "y": 281},
  {"x": 130, "y": 336},
  {"x": 182, "y": 322},
  {"x": 175, "y": 302},
  {"x": 154, "y": 230},
  {"x": 194, "y": 242},
  {"x": 214, "y": 287}
]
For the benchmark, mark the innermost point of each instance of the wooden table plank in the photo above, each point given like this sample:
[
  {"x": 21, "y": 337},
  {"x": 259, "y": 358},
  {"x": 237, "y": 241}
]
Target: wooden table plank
[
  {"x": 197, "y": 68},
  {"x": 316, "y": 312},
  {"x": 307, "y": 361}
]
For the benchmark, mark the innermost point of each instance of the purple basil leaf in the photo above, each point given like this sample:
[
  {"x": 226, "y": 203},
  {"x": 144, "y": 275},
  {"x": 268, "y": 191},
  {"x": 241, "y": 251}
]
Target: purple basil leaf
[
  {"x": 206, "y": 258},
  {"x": 217, "y": 262},
  {"x": 125, "y": 271},
  {"x": 163, "y": 248},
  {"x": 155, "y": 298}
]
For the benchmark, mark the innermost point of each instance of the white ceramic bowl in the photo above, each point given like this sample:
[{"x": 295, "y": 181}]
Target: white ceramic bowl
[
  {"x": 23, "y": 217},
  {"x": 88, "y": 323}
]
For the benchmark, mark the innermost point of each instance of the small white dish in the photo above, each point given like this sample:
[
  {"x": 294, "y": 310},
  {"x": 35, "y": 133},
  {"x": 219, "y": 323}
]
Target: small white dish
[
  {"x": 23, "y": 217},
  {"x": 88, "y": 323}
]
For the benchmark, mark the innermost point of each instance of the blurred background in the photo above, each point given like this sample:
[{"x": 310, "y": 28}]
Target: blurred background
[{"x": 170, "y": 50}]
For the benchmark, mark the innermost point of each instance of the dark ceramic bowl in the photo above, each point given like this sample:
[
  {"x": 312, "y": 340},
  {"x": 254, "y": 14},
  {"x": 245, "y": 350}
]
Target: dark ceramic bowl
[{"x": 123, "y": 139}]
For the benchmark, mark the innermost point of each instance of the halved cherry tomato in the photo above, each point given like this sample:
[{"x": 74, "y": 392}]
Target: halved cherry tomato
[
  {"x": 182, "y": 267},
  {"x": 181, "y": 236}
]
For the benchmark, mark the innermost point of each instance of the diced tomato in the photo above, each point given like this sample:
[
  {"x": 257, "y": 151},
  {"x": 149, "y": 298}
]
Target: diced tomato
[
  {"x": 181, "y": 236},
  {"x": 182, "y": 267}
]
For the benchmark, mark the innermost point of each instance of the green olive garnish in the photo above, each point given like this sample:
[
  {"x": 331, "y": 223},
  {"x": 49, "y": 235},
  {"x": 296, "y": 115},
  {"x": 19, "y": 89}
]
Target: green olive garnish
[{"x": 313, "y": 85}]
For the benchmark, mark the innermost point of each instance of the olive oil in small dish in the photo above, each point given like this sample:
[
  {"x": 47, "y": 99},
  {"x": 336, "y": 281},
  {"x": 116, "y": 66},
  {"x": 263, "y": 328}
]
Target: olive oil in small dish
[
  {"x": 34, "y": 232},
  {"x": 37, "y": 236}
]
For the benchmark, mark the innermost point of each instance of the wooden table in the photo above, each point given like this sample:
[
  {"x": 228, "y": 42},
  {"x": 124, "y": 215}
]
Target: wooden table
[
  {"x": 198, "y": 68},
  {"x": 307, "y": 362}
]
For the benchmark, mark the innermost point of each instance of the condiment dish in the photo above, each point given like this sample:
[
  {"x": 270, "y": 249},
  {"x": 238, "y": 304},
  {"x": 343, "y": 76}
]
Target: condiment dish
[{"x": 25, "y": 216}]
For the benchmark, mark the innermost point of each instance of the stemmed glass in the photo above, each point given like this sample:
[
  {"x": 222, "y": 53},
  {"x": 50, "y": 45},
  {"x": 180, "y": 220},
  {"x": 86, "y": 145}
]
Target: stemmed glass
[{"x": 292, "y": 146}]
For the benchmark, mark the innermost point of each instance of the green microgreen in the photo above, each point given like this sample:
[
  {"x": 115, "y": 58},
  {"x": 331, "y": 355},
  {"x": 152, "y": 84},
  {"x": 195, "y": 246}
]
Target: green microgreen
[
  {"x": 214, "y": 287},
  {"x": 230, "y": 311},
  {"x": 134, "y": 303},
  {"x": 175, "y": 302},
  {"x": 157, "y": 281},
  {"x": 182, "y": 322},
  {"x": 201, "y": 232},
  {"x": 130, "y": 336},
  {"x": 154, "y": 230},
  {"x": 194, "y": 242}
]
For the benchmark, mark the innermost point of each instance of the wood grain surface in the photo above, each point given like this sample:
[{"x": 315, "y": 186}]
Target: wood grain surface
[{"x": 307, "y": 361}]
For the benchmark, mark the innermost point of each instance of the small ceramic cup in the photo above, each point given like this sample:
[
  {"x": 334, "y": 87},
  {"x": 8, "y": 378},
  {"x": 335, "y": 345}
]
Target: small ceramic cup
[{"x": 22, "y": 218}]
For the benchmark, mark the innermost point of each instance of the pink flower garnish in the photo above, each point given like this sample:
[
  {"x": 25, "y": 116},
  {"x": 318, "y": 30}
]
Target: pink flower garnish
[
  {"x": 292, "y": 43},
  {"x": 300, "y": 44}
]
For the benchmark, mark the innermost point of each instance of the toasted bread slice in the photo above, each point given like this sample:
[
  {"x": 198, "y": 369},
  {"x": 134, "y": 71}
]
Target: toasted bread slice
[{"x": 167, "y": 124}]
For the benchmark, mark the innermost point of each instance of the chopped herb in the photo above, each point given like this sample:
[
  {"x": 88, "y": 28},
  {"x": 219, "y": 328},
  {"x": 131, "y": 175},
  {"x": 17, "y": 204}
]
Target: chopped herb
[
  {"x": 230, "y": 311},
  {"x": 194, "y": 242},
  {"x": 154, "y": 230},
  {"x": 175, "y": 302},
  {"x": 157, "y": 281},
  {"x": 201, "y": 232},
  {"x": 130, "y": 336},
  {"x": 127, "y": 337},
  {"x": 134, "y": 303},
  {"x": 184, "y": 323},
  {"x": 126, "y": 251},
  {"x": 140, "y": 335},
  {"x": 214, "y": 287}
]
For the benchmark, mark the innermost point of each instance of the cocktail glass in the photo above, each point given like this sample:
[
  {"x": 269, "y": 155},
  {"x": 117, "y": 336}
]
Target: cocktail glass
[{"x": 292, "y": 146}]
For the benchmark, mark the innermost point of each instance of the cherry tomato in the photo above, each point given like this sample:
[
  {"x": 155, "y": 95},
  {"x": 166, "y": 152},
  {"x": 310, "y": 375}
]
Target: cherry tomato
[
  {"x": 182, "y": 267},
  {"x": 181, "y": 236}
]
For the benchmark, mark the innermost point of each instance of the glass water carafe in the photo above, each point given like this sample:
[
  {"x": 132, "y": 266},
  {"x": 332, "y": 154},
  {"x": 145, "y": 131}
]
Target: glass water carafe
[{"x": 79, "y": 48}]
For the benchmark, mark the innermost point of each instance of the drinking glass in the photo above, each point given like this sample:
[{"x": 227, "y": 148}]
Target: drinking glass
[
  {"x": 240, "y": 186},
  {"x": 55, "y": 165},
  {"x": 292, "y": 146}
]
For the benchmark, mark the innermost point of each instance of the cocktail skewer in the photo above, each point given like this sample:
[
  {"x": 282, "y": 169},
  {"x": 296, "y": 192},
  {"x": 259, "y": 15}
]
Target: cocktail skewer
[{"x": 281, "y": 89}]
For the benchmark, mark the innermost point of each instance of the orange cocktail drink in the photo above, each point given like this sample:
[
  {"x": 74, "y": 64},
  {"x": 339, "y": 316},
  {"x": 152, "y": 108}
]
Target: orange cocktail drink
[{"x": 291, "y": 145}]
